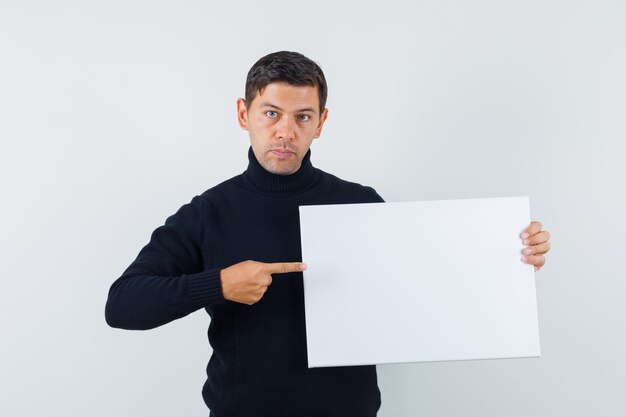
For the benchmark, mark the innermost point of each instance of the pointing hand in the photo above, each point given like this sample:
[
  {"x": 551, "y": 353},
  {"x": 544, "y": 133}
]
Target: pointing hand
[{"x": 246, "y": 282}]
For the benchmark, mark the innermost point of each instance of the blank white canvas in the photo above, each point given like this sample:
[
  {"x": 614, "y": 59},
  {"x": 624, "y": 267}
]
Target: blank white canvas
[{"x": 418, "y": 281}]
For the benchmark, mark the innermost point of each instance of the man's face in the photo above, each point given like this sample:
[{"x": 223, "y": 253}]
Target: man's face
[{"x": 282, "y": 122}]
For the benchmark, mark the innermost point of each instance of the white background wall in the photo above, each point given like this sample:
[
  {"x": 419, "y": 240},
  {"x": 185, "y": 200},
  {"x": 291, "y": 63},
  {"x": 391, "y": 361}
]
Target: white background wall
[{"x": 114, "y": 114}]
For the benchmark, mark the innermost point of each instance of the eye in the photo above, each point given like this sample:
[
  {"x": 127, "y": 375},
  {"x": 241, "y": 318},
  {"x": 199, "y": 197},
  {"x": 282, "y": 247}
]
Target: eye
[
  {"x": 304, "y": 117},
  {"x": 271, "y": 114}
]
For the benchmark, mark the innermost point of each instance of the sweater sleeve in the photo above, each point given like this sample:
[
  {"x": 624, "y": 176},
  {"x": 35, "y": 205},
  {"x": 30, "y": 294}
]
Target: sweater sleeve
[
  {"x": 167, "y": 280},
  {"x": 376, "y": 198}
]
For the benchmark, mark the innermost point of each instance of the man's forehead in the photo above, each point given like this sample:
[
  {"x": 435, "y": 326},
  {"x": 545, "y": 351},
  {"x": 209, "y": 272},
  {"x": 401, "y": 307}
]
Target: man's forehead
[
  {"x": 270, "y": 105},
  {"x": 287, "y": 97}
]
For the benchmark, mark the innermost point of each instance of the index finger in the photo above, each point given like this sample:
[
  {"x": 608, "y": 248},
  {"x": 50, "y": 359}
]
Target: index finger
[
  {"x": 531, "y": 230},
  {"x": 285, "y": 267}
]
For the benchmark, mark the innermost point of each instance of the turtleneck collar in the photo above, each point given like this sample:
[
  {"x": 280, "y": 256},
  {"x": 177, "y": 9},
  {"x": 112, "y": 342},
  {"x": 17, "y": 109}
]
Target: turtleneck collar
[{"x": 269, "y": 182}]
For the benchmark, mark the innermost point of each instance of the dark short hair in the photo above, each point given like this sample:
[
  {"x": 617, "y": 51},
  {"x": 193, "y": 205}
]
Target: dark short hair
[{"x": 289, "y": 67}]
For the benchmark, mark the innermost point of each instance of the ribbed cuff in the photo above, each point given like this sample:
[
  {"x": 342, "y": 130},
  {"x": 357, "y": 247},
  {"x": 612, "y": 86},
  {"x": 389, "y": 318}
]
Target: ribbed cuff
[{"x": 204, "y": 289}]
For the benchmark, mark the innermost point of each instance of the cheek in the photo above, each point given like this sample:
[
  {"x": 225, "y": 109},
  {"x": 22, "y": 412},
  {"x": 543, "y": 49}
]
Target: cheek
[
  {"x": 260, "y": 130},
  {"x": 263, "y": 121},
  {"x": 309, "y": 129}
]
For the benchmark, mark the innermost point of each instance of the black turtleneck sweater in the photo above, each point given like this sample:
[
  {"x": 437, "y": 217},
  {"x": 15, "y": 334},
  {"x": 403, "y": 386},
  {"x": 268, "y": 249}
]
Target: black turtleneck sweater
[{"x": 259, "y": 362}]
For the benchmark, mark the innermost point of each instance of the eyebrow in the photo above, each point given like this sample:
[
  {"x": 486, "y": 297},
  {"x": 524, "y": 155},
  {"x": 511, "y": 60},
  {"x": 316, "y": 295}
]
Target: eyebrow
[{"x": 266, "y": 104}]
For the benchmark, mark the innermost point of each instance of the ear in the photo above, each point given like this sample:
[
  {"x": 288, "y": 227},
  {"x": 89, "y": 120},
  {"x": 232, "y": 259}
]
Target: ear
[
  {"x": 242, "y": 113},
  {"x": 318, "y": 131}
]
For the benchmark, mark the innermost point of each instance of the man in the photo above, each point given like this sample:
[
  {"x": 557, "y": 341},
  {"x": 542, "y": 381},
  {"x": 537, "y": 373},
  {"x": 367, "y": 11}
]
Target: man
[{"x": 235, "y": 251}]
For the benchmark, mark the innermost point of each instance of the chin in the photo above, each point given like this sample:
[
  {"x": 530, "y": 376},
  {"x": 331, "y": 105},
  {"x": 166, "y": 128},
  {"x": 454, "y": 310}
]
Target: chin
[{"x": 284, "y": 170}]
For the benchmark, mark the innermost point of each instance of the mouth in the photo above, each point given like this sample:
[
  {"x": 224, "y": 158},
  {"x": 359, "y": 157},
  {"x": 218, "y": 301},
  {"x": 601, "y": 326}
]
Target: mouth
[{"x": 282, "y": 153}]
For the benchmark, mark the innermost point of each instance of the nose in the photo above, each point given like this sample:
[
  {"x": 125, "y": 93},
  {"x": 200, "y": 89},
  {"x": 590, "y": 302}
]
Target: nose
[{"x": 285, "y": 129}]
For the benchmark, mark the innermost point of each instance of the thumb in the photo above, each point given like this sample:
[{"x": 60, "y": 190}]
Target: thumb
[{"x": 285, "y": 267}]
